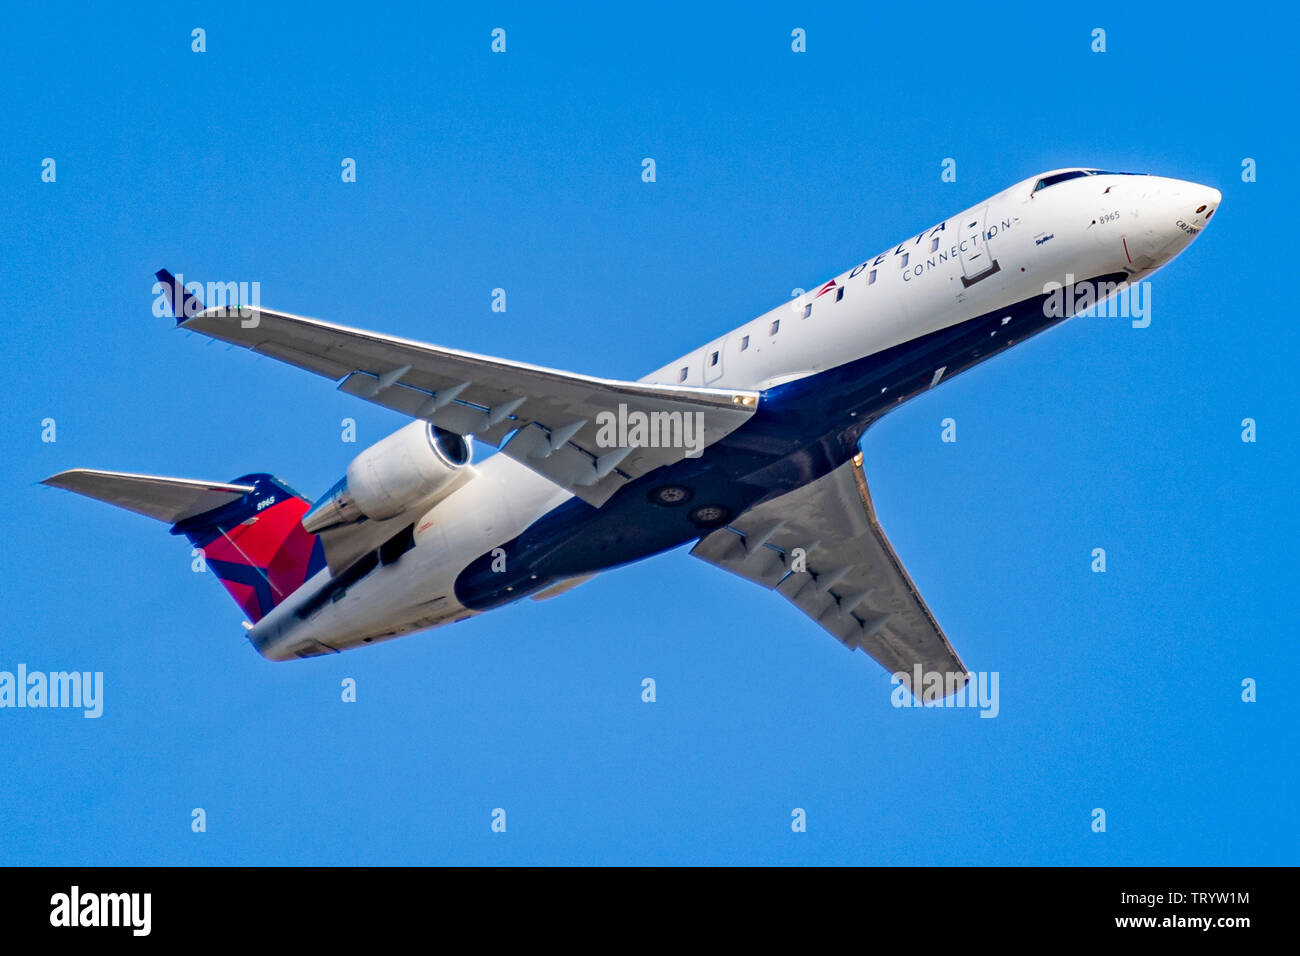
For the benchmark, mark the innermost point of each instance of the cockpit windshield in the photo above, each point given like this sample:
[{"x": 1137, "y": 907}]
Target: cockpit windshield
[{"x": 1055, "y": 178}]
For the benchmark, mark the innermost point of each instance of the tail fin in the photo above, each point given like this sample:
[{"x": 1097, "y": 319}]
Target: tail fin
[
  {"x": 249, "y": 530},
  {"x": 256, "y": 545}
]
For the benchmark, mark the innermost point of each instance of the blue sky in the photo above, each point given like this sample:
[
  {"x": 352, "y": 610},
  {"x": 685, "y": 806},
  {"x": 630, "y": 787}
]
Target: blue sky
[{"x": 775, "y": 170}]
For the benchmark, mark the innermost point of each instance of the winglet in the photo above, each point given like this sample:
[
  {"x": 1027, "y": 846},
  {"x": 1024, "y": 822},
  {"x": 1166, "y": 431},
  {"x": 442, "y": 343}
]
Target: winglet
[{"x": 184, "y": 304}]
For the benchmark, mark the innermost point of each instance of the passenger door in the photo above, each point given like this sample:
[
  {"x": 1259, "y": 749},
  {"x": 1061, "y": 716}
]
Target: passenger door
[{"x": 977, "y": 260}]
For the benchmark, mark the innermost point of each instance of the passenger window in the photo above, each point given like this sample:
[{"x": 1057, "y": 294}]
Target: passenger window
[
  {"x": 904, "y": 262},
  {"x": 776, "y": 325},
  {"x": 682, "y": 377},
  {"x": 872, "y": 277},
  {"x": 934, "y": 244},
  {"x": 807, "y": 310},
  {"x": 744, "y": 343},
  {"x": 713, "y": 360},
  {"x": 839, "y": 293}
]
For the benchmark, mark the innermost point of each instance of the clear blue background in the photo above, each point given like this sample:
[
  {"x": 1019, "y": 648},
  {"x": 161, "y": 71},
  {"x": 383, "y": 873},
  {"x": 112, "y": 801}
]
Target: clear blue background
[{"x": 775, "y": 170}]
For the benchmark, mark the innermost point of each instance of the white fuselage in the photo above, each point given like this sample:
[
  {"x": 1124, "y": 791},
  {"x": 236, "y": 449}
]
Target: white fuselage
[{"x": 1007, "y": 249}]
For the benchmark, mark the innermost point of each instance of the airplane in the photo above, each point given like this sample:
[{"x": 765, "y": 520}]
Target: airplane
[{"x": 747, "y": 446}]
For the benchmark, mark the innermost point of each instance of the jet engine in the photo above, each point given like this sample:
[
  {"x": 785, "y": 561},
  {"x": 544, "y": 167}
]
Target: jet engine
[{"x": 414, "y": 466}]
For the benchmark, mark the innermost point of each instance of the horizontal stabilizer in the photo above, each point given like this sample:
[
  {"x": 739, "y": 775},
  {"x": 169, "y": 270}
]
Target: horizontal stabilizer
[
  {"x": 167, "y": 499},
  {"x": 249, "y": 531}
]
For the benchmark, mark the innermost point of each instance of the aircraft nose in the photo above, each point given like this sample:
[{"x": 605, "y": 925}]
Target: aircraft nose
[
  {"x": 1172, "y": 212},
  {"x": 1201, "y": 201},
  {"x": 1191, "y": 204}
]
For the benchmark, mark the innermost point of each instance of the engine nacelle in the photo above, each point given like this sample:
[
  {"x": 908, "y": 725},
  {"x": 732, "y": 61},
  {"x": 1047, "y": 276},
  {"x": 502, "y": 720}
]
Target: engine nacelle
[{"x": 408, "y": 468}]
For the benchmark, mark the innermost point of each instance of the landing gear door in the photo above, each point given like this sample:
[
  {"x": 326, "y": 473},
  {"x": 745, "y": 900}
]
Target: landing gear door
[{"x": 977, "y": 260}]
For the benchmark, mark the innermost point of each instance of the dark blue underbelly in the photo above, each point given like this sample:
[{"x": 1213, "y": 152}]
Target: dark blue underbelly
[{"x": 801, "y": 431}]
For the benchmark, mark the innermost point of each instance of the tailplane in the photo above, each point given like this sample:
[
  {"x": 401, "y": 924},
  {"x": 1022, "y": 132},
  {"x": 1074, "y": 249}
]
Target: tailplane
[{"x": 249, "y": 530}]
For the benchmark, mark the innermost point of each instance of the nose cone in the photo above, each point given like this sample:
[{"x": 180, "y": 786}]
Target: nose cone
[
  {"x": 1201, "y": 202},
  {"x": 1171, "y": 213}
]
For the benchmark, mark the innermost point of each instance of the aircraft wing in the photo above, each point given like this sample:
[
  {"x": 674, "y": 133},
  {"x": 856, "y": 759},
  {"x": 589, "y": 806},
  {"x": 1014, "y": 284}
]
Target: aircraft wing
[
  {"x": 553, "y": 419},
  {"x": 854, "y": 586}
]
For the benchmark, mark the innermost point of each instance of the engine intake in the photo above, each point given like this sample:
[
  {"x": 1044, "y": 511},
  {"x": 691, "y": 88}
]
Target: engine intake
[{"x": 410, "y": 467}]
